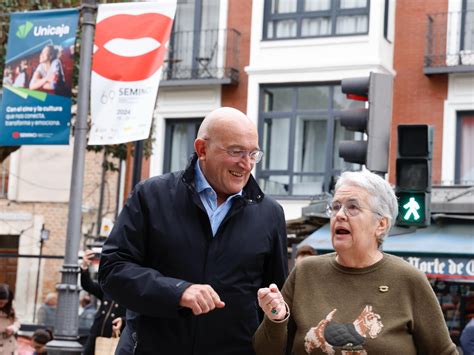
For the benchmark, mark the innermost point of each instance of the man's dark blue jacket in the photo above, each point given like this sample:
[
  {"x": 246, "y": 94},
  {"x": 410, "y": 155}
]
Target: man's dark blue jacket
[{"x": 162, "y": 243}]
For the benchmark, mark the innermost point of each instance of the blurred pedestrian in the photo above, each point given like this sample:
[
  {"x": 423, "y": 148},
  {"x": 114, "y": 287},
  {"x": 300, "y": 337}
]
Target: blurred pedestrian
[
  {"x": 303, "y": 252},
  {"x": 109, "y": 317},
  {"x": 86, "y": 311},
  {"x": 47, "y": 311},
  {"x": 39, "y": 340},
  {"x": 9, "y": 324},
  {"x": 190, "y": 249}
]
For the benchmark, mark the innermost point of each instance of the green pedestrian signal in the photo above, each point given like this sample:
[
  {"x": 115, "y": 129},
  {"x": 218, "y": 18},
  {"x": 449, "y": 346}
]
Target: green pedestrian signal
[{"x": 411, "y": 208}]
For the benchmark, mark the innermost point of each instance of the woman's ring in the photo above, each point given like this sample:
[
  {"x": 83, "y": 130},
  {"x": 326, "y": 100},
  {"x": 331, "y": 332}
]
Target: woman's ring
[{"x": 274, "y": 311}]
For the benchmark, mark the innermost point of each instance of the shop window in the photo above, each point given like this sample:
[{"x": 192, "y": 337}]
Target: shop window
[
  {"x": 179, "y": 142},
  {"x": 457, "y": 303},
  {"x": 464, "y": 167},
  {"x": 315, "y": 18},
  {"x": 300, "y": 133}
]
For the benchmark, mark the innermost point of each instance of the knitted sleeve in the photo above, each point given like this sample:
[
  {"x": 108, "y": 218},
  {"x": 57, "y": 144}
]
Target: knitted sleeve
[{"x": 270, "y": 337}]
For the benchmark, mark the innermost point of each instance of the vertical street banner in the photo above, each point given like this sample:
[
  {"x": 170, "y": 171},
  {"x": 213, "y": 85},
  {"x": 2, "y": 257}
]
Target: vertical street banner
[
  {"x": 37, "y": 79},
  {"x": 129, "y": 48}
]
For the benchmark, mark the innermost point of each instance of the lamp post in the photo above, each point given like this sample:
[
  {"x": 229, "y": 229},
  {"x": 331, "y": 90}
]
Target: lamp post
[
  {"x": 66, "y": 324},
  {"x": 44, "y": 235}
]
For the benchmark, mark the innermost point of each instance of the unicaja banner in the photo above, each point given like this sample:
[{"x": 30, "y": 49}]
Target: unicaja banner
[
  {"x": 37, "y": 79},
  {"x": 129, "y": 48}
]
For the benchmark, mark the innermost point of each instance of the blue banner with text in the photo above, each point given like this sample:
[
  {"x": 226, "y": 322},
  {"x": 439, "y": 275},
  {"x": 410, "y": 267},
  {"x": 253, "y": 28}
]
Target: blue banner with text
[{"x": 37, "y": 79}]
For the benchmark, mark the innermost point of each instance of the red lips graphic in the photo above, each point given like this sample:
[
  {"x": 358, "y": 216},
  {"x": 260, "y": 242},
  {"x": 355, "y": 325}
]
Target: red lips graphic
[{"x": 119, "y": 68}]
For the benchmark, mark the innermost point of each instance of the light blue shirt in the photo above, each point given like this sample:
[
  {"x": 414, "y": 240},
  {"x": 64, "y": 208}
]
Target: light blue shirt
[{"x": 209, "y": 199}]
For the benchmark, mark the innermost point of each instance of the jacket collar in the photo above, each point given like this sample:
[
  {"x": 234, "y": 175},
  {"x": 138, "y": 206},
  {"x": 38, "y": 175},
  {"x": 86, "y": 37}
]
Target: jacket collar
[{"x": 251, "y": 192}]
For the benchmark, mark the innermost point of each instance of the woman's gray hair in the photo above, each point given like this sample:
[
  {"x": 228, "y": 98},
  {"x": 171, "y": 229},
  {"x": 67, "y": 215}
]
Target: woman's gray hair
[{"x": 382, "y": 197}]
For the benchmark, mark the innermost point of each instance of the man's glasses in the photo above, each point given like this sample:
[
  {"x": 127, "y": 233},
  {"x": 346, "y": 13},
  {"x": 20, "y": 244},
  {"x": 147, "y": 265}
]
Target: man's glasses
[
  {"x": 350, "y": 209},
  {"x": 255, "y": 155}
]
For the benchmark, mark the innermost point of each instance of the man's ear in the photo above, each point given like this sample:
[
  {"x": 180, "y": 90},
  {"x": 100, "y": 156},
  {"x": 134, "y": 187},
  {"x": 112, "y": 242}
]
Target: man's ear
[{"x": 200, "y": 148}]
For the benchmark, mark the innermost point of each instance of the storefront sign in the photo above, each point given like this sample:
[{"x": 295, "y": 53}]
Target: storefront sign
[
  {"x": 444, "y": 268},
  {"x": 36, "y": 104}
]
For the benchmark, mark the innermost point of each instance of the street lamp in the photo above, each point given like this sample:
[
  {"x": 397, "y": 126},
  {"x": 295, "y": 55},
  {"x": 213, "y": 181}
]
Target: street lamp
[{"x": 66, "y": 323}]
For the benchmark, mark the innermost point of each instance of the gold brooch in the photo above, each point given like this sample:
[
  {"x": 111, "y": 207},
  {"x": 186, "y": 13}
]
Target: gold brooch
[{"x": 383, "y": 288}]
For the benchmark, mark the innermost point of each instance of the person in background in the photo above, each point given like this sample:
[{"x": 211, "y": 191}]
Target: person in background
[
  {"x": 303, "y": 252},
  {"x": 39, "y": 340},
  {"x": 9, "y": 324},
  {"x": 358, "y": 300},
  {"x": 467, "y": 338},
  {"x": 87, "y": 311},
  {"x": 110, "y": 317},
  {"x": 191, "y": 248},
  {"x": 47, "y": 311}
]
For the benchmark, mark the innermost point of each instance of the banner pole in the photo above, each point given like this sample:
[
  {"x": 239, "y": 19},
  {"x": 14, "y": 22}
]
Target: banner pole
[{"x": 66, "y": 332}]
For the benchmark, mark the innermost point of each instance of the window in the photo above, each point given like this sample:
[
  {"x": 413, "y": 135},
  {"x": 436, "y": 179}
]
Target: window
[
  {"x": 194, "y": 38},
  {"x": 464, "y": 169},
  {"x": 315, "y": 18},
  {"x": 299, "y": 133},
  {"x": 467, "y": 25},
  {"x": 389, "y": 17},
  {"x": 179, "y": 142},
  {"x": 4, "y": 172}
]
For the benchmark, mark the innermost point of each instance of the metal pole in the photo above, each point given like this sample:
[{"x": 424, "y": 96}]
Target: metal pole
[
  {"x": 119, "y": 190},
  {"x": 66, "y": 323},
  {"x": 137, "y": 162},
  {"x": 37, "y": 278},
  {"x": 101, "y": 195}
]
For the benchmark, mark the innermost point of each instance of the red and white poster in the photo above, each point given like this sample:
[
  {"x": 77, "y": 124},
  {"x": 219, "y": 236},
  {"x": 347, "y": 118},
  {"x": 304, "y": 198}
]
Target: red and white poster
[{"x": 129, "y": 48}]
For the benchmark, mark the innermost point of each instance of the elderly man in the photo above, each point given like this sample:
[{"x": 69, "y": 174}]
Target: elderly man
[{"x": 190, "y": 249}]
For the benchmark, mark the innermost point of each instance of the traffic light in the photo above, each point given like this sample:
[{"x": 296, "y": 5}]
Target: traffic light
[
  {"x": 413, "y": 175},
  {"x": 374, "y": 120}
]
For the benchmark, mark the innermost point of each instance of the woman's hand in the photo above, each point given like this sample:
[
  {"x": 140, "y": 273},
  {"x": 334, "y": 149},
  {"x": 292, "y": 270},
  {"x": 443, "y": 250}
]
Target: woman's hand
[
  {"x": 271, "y": 302},
  {"x": 116, "y": 326},
  {"x": 10, "y": 330},
  {"x": 87, "y": 259}
]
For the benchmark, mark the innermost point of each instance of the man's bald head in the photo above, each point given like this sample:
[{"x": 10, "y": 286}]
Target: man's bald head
[
  {"x": 223, "y": 145},
  {"x": 221, "y": 118}
]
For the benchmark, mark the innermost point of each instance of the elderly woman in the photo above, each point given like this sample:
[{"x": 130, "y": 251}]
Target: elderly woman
[{"x": 357, "y": 300}]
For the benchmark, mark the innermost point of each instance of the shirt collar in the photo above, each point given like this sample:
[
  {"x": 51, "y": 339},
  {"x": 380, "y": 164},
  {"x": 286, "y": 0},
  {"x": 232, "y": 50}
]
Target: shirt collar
[{"x": 202, "y": 184}]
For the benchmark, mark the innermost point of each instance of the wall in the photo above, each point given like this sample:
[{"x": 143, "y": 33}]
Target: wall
[
  {"x": 417, "y": 98},
  {"x": 239, "y": 17}
]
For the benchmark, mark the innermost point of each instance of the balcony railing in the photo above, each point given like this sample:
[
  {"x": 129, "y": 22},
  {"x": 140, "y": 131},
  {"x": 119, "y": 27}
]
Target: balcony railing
[
  {"x": 450, "y": 43},
  {"x": 202, "y": 57}
]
